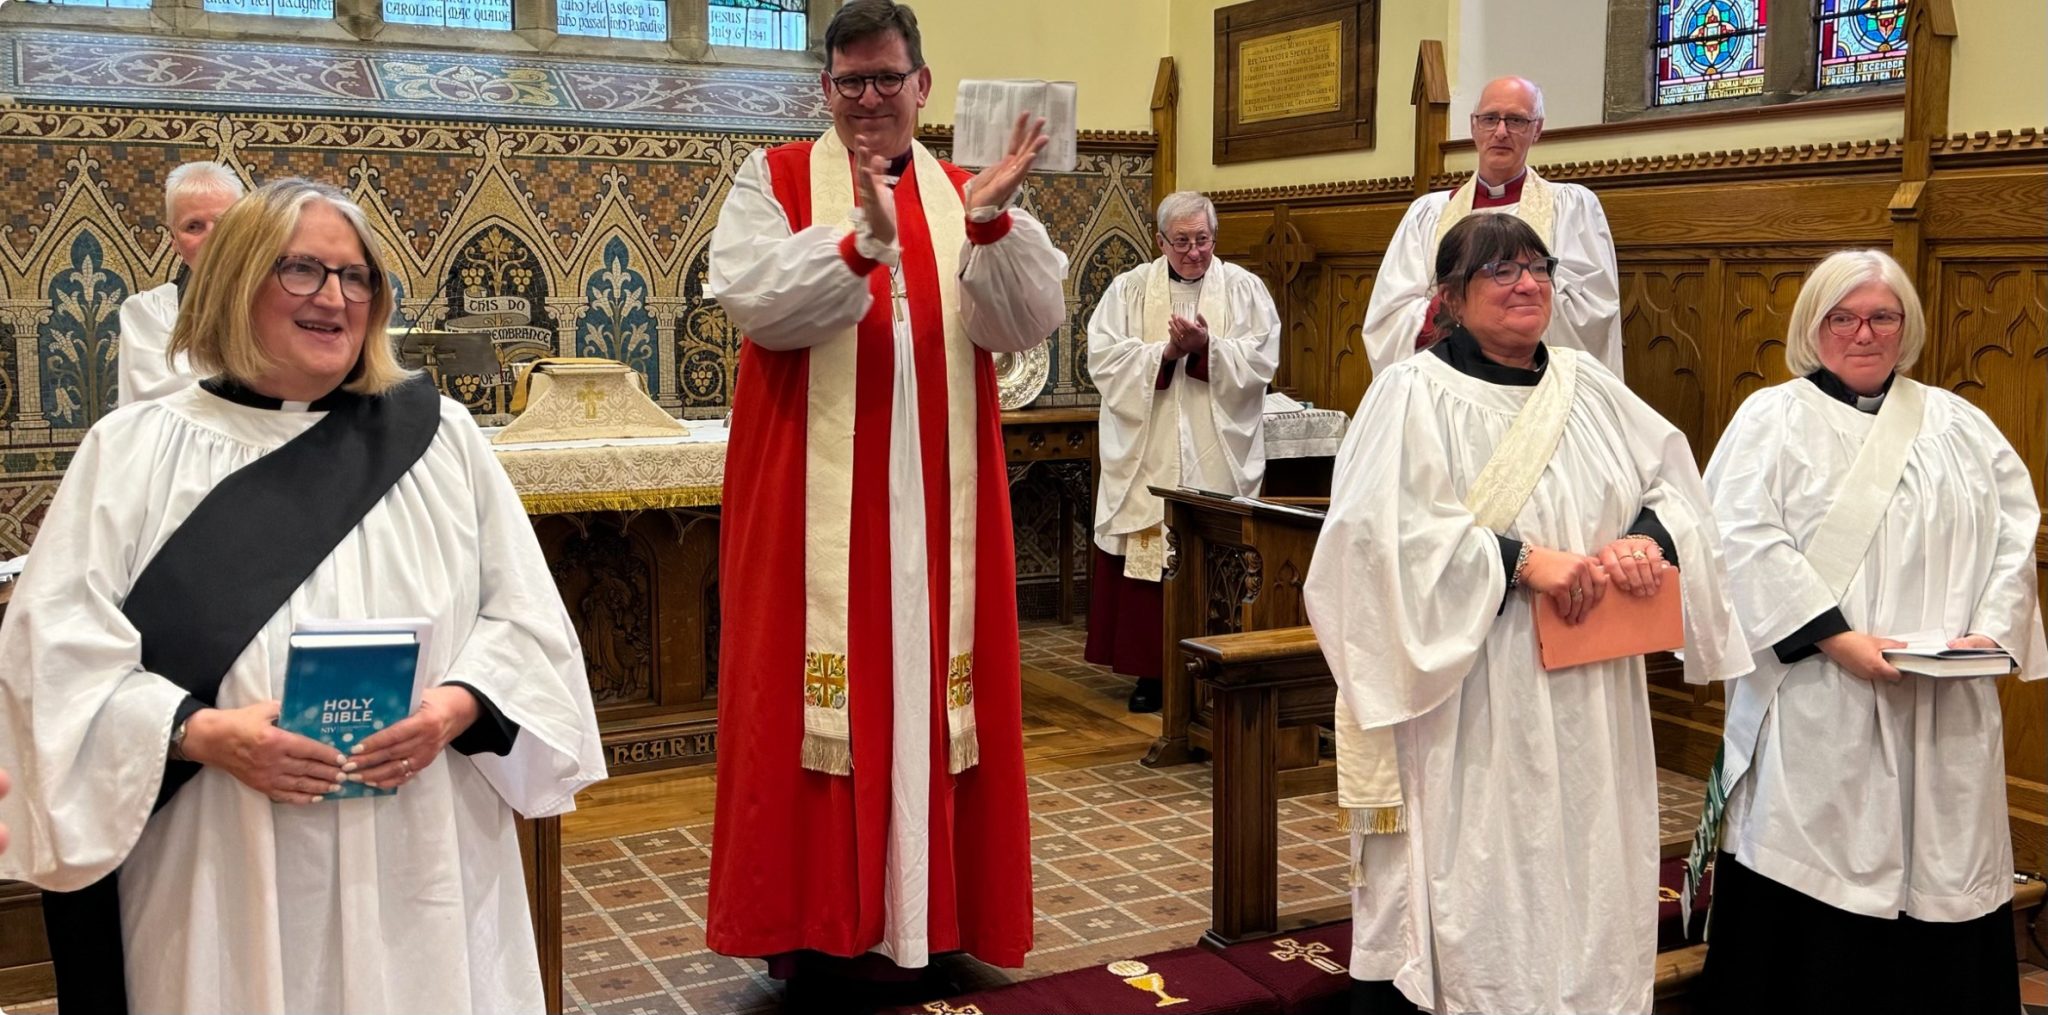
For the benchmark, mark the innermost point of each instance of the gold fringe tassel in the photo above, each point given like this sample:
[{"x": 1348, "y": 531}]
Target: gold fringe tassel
[
  {"x": 963, "y": 751},
  {"x": 827, "y": 755},
  {"x": 1364, "y": 821}
]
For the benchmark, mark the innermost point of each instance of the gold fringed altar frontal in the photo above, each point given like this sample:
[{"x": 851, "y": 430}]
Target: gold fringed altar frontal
[
  {"x": 639, "y": 474},
  {"x": 828, "y": 731}
]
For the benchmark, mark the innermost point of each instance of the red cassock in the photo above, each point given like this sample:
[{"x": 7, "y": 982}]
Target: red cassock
[{"x": 799, "y": 857}]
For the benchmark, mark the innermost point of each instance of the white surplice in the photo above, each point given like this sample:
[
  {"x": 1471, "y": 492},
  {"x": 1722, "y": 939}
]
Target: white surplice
[
  {"x": 790, "y": 291},
  {"x": 1587, "y": 309},
  {"x": 1532, "y": 844},
  {"x": 1878, "y": 799},
  {"x": 1210, "y": 434},
  {"x": 146, "y": 322},
  {"x": 414, "y": 902}
]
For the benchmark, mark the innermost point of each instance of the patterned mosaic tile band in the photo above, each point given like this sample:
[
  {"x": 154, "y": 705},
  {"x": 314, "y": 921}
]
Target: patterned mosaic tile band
[
  {"x": 123, "y": 70},
  {"x": 546, "y": 239}
]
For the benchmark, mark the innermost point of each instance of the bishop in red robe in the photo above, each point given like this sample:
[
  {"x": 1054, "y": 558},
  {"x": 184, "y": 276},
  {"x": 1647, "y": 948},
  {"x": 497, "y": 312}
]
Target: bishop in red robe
[{"x": 870, "y": 767}]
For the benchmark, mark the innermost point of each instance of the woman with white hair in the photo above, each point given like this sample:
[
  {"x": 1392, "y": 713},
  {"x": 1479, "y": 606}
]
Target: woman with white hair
[
  {"x": 1867, "y": 864},
  {"x": 1182, "y": 349},
  {"x": 195, "y": 194}
]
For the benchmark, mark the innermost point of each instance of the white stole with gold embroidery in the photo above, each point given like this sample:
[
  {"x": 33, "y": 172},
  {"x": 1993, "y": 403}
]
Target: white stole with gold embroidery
[{"x": 828, "y": 476}]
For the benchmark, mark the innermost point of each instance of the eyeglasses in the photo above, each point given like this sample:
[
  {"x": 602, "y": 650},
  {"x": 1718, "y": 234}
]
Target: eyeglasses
[
  {"x": 1183, "y": 244},
  {"x": 853, "y": 86},
  {"x": 301, "y": 275},
  {"x": 1517, "y": 125},
  {"x": 1883, "y": 324},
  {"x": 1510, "y": 272}
]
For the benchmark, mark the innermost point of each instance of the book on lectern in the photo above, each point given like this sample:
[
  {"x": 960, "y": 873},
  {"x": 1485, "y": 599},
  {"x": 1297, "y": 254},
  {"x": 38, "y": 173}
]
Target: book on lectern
[
  {"x": 345, "y": 680},
  {"x": 1622, "y": 625}
]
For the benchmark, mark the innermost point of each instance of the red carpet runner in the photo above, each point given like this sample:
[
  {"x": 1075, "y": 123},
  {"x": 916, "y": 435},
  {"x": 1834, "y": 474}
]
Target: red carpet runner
[{"x": 1300, "y": 973}]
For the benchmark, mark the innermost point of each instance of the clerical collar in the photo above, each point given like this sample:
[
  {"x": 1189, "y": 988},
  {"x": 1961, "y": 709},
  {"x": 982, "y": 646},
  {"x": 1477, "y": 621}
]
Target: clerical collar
[
  {"x": 236, "y": 392},
  {"x": 1487, "y": 195},
  {"x": 183, "y": 276},
  {"x": 898, "y": 166},
  {"x": 1827, "y": 382},
  {"x": 1177, "y": 277},
  {"x": 1463, "y": 353}
]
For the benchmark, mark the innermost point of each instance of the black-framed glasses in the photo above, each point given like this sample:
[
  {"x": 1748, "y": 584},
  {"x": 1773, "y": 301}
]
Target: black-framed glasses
[
  {"x": 1883, "y": 324},
  {"x": 1510, "y": 272},
  {"x": 1183, "y": 244},
  {"x": 302, "y": 275},
  {"x": 1517, "y": 125},
  {"x": 853, "y": 86}
]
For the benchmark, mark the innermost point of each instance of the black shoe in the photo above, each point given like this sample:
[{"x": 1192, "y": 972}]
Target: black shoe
[{"x": 1145, "y": 696}]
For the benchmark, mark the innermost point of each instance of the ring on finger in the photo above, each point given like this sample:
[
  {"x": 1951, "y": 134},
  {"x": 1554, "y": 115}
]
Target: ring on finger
[
  {"x": 1640, "y": 555},
  {"x": 1577, "y": 592},
  {"x": 406, "y": 763}
]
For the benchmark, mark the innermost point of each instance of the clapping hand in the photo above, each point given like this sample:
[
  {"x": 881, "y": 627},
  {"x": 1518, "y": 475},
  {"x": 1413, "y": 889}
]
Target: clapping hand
[
  {"x": 392, "y": 756},
  {"x": 877, "y": 202},
  {"x": 1636, "y": 565},
  {"x": 1573, "y": 581},
  {"x": 995, "y": 186},
  {"x": 1189, "y": 338}
]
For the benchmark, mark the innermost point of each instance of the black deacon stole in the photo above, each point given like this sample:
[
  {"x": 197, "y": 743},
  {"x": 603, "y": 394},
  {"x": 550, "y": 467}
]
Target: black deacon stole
[{"x": 252, "y": 541}]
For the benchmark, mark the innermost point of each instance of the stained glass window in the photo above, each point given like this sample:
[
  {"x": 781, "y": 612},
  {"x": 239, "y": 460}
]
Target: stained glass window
[
  {"x": 278, "y": 8},
  {"x": 495, "y": 15},
  {"x": 1708, "y": 49},
  {"x": 613, "y": 19},
  {"x": 132, "y": 4},
  {"x": 1861, "y": 41},
  {"x": 761, "y": 24}
]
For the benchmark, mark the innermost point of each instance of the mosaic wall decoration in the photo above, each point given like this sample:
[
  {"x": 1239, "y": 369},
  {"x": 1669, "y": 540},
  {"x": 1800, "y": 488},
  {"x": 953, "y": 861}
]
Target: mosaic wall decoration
[
  {"x": 163, "y": 73},
  {"x": 556, "y": 240}
]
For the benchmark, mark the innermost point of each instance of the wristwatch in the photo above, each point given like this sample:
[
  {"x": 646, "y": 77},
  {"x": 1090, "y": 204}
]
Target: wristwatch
[{"x": 178, "y": 741}]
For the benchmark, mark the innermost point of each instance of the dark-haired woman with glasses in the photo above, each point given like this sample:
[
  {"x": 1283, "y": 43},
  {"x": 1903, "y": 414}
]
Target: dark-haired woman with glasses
[
  {"x": 195, "y": 854},
  {"x": 1504, "y": 817},
  {"x": 1865, "y": 824}
]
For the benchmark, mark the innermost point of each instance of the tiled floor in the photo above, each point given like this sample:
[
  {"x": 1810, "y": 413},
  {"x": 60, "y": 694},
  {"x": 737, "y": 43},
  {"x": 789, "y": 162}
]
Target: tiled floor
[
  {"x": 1056, "y": 649},
  {"x": 1120, "y": 869}
]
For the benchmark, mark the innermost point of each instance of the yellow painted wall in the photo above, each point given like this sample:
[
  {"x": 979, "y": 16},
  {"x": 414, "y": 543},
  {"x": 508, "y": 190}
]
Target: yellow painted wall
[
  {"x": 1403, "y": 24},
  {"x": 2000, "y": 79},
  {"x": 1110, "y": 49},
  {"x": 1999, "y": 82}
]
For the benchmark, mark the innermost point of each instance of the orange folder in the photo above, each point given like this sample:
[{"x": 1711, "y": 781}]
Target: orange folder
[{"x": 1622, "y": 625}]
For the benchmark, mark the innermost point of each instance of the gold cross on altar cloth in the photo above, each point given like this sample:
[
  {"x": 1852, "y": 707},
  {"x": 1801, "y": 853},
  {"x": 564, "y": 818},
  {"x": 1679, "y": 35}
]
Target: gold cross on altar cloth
[
  {"x": 943, "y": 1008},
  {"x": 1289, "y": 949},
  {"x": 590, "y": 397}
]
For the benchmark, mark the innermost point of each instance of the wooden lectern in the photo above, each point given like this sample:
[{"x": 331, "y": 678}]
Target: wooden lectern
[{"x": 1233, "y": 565}]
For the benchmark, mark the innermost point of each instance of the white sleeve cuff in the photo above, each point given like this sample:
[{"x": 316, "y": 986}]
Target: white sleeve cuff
[{"x": 867, "y": 246}]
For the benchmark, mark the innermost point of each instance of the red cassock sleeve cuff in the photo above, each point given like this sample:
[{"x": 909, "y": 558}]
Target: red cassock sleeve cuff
[
  {"x": 982, "y": 234},
  {"x": 1198, "y": 365},
  {"x": 851, "y": 255}
]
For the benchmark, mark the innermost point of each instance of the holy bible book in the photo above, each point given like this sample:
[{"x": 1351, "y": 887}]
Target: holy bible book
[
  {"x": 1622, "y": 625},
  {"x": 345, "y": 682}
]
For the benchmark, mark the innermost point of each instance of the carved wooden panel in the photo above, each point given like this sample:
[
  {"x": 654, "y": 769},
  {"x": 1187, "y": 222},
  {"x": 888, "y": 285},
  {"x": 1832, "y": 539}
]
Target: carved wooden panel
[
  {"x": 1661, "y": 328},
  {"x": 1348, "y": 371},
  {"x": 642, "y": 592}
]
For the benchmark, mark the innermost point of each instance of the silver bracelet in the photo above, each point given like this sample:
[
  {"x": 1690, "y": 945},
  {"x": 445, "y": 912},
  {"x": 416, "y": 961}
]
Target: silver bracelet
[{"x": 1521, "y": 564}]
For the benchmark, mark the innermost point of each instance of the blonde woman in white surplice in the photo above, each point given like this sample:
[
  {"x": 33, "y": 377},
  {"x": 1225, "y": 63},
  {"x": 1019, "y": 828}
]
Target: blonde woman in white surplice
[
  {"x": 1504, "y": 818},
  {"x": 1181, "y": 349},
  {"x": 1866, "y": 810}
]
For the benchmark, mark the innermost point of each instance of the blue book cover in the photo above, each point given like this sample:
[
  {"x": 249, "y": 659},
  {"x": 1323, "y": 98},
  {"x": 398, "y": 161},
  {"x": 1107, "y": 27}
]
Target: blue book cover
[{"x": 340, "y": 688}]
